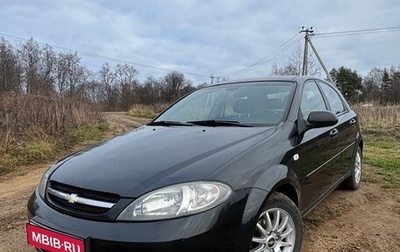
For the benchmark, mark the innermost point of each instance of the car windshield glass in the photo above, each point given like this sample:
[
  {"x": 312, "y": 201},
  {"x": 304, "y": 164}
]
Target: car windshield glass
[{"x": 251, "y": 104}]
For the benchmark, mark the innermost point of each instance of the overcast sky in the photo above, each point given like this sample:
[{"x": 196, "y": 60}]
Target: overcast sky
[{"x": 200, "y": 38}]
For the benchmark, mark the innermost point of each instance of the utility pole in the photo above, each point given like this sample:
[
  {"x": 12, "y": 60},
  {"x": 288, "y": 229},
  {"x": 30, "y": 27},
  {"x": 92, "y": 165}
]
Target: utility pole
[
  {"x": 307, "y": 40},
  {"x": 217, "y": 78},
  {"x": 308, "y": 32},
  {"x": 322, "y": 63}
]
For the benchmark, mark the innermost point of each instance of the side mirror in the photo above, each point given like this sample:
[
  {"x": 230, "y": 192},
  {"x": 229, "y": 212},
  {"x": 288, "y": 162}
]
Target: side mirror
[
  {"x": 319, "y": 119},
  {"x": 316, "y": 119}
]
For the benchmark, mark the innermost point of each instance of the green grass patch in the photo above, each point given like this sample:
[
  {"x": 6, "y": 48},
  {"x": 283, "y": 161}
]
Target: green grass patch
[
  {"x": 28, "y": 152},
  {"x": 88, "y": 132},
  {"x": 384, "y": 153},
  {"x": 5, "y": 164},
  {"x": 40, "y": 149}
]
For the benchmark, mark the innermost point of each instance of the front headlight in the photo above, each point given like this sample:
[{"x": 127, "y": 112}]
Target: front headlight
[
  {"x": 43, "y": 181},
  {"x": 175, "y": 201}
]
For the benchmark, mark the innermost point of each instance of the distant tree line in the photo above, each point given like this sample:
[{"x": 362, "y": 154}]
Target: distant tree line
[
  {"x": 378, "y": 86},
  {"x": 35, "y": 69}
]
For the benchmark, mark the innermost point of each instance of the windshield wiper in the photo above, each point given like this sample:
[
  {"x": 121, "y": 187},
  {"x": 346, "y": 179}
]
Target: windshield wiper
[
  {"x": 215, "y": 123},
  {"x": 169, "y": 123}
]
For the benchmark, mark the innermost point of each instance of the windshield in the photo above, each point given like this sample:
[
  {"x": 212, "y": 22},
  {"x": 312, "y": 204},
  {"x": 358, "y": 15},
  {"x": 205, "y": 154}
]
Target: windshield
[{"x": 255, "y": 104}]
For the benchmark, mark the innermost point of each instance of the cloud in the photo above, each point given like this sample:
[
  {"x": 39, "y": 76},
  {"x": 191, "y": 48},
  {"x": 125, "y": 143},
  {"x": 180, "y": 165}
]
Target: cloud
[{"x": 206, "y": 37}]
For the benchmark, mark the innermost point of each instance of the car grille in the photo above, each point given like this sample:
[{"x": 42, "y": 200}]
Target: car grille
[{"x": 80, "y": 201}]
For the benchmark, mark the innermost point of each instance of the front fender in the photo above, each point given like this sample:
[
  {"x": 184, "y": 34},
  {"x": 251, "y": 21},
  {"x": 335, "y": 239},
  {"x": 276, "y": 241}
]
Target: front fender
[
  {"x": 278, "y": 178},
  {"x": 272, "y": 179}
]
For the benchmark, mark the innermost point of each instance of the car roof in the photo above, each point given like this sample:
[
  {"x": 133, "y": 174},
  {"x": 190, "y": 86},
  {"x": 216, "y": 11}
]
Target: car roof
[{"x": 291, "y": 78}]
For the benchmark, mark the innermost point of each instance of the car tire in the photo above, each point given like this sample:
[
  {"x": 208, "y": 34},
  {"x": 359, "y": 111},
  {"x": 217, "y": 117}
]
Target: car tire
[
  {"x": 354, "y": 180},
  {"x": 282, "y": 235}
]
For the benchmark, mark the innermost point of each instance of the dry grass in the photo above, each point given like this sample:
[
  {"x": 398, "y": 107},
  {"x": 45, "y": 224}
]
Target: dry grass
[
  {"x": 39, "y": 115},
  {"x": 380, "y": 117},
  {"x": 35, "y": 127},
  {"x": 147, "y": 111},
  {"x": 379, "y": 120}
]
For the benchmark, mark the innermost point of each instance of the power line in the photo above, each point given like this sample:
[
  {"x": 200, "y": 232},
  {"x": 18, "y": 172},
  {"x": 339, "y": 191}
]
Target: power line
[
  {"x": 269, "y": 56},
  {"x": 360, "y": 31},
  {"x": 260, "y": 61},
  {"x": 104, "y": 57},
  {"x": 288, "y": 44}
]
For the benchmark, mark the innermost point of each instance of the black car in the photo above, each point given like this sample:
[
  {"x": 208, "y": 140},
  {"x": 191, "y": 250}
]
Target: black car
[{"x": 229, "y": 167}]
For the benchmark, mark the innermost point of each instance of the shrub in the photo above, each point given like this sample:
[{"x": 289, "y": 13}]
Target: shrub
[{"x": 35, "y": 127}]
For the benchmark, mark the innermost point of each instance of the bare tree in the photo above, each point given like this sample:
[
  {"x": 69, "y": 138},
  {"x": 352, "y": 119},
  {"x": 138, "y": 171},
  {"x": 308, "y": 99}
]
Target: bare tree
[
  {"x": 128, "y": 84},
  {"x": 46, "y": 69},
  {"x": 174, "y": 82},
  {"x": 107, "y": 81},
  {"x": 10, "y": 69},
  {"x": 30, "y": 59},
  {"x": 77, "y": 75},
  {"x": 151, "y": 91},
  {"x": 295, "y": 64},
  {"x": 371, "y": 85},
  {"x": 38, "y": 64},
  {"x": 395, "y": 84},
  {"x": 289, "y": 69},
  {"x": 64, "y": 61}
]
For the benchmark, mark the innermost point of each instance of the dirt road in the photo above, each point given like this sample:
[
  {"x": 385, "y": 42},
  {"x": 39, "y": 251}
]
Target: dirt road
[
  {"x": 364, "y": 220},
  {"x": 121, "y": 122}
]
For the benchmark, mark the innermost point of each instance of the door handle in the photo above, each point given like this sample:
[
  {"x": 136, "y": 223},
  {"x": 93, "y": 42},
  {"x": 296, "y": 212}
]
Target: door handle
[
  {"x": 352, "y": 121},
  {"x": 333, "y": 132}
]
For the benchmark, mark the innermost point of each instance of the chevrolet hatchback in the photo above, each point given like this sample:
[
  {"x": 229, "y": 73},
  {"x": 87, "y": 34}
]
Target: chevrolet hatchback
[{"x": 230, "y": 167}]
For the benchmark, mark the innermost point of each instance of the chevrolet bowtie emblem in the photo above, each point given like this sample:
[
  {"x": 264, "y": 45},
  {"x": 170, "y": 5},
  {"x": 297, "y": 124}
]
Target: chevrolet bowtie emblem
[{"x": 72, "y": 198}]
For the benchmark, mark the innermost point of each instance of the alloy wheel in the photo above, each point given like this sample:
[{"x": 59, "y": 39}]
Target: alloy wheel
[
  {"x": 275, "y": 231},
  {"x": 357, "y": 168}
]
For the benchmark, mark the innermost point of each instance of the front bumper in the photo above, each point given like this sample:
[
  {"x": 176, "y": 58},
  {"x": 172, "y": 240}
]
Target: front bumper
[{"x": 228, "y": 227}]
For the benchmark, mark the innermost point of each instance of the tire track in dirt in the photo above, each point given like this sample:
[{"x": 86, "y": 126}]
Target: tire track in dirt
[{"x": 121, "y": 122}]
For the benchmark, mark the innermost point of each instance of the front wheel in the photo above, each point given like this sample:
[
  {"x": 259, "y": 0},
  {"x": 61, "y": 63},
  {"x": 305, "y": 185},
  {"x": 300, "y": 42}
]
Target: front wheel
[
  {"x": 279, "y": 226},
  {"x": 353, "y": 182}
]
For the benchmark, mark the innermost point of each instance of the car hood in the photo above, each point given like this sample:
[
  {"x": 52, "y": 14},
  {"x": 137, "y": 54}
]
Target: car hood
[{"x": 152, "y": 156}]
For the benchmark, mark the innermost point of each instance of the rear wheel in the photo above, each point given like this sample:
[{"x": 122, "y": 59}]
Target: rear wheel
[
  {"x": 279, "y": 226},
  {"x": 353, "y": 182}
]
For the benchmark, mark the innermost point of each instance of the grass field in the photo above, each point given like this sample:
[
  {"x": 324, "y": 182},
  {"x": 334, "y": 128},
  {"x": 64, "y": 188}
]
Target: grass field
[
  {"x": 48, "y": 148},
  {"x": 381, "y": 130},
  {"x": 37, "y": 127}
]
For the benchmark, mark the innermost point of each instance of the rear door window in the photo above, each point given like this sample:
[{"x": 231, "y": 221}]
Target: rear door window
[{"x": 335, "y": 103}]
